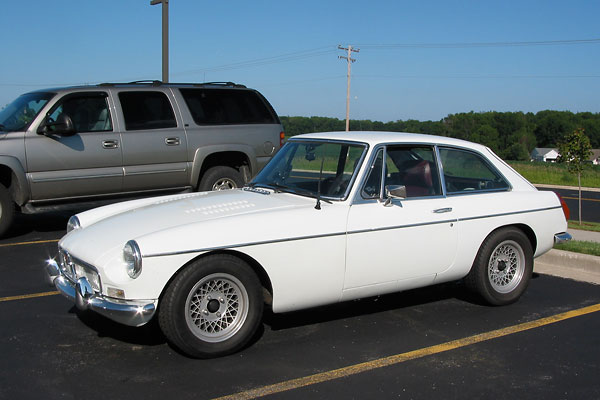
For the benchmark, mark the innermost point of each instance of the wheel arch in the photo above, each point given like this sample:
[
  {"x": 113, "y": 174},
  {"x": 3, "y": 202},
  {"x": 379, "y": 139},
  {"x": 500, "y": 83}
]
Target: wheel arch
[
  {"x": 260, "y": 272},
  {"x": 526, "y": 229},
  {"x": 13, "y": 177},
  {"x": 242, "y": 158}
]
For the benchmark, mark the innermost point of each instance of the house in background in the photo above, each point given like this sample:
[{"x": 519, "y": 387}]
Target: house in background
[
  {"x": 595, "y": 157},
  {"x": 544, "y": 154}
]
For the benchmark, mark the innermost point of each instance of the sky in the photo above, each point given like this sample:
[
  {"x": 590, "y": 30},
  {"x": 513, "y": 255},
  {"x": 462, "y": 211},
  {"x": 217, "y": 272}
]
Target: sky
[{"x": 418, "y": 60}]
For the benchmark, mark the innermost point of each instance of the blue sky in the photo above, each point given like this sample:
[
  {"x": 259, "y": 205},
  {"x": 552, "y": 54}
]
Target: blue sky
[{"x": 288, "y": 51}]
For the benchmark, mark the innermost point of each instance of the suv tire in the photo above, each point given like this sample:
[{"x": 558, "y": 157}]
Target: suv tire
[
  {"x": 220, "y": 178},
  {"x": 7, "y": 210}
]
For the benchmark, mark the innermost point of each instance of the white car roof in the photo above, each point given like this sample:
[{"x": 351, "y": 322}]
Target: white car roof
[{"x": 376, "y": 137}]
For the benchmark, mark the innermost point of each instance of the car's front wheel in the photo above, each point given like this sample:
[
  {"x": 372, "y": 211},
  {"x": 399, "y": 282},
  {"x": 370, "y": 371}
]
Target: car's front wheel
[
  {"x": 503, "y": 267},
  {"x": 213, "y": 307}
]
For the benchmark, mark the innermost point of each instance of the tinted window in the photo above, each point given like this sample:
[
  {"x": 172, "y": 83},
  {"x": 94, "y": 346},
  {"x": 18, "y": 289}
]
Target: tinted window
[
  {"x": 465, "y": 172},
  {"x": 227, "y": 106},
  {"x": 89, "y": 112},
  {"x": 147, "y": 110}
]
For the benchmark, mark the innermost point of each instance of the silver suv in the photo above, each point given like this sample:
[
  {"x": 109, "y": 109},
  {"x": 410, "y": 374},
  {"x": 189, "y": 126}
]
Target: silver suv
[{"x": 68, "y": 145}]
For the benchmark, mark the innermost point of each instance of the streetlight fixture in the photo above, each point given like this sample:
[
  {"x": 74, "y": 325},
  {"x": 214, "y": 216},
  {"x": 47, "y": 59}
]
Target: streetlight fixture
[{"x": 165, "y": 37}]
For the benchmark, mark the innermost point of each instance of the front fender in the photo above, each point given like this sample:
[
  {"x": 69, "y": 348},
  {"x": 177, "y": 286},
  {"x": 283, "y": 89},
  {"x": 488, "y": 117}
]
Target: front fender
[{"x": 20, "y": 187}]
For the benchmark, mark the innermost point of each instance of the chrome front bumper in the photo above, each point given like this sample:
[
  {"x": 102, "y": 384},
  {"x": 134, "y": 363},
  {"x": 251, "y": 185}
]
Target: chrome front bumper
[
  {"x": 127, "y": 312},
  {"x": 562, "y": 237}
]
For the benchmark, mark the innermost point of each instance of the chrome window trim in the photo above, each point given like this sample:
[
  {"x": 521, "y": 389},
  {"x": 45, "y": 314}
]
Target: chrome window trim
[{"x": 334, "y": 234}]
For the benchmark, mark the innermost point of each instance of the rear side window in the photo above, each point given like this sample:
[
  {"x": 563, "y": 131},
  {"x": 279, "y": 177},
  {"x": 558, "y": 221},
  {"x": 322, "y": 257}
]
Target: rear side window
[
  {"x": 147, "y": 110},
  {"x": 466, "y": 172},
  {"x": 227, "y": 106}
]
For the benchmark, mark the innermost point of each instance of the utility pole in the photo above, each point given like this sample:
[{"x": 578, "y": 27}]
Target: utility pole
[
  {"x": 165, "y": 37},
  {"x": 350, "y": 60}
]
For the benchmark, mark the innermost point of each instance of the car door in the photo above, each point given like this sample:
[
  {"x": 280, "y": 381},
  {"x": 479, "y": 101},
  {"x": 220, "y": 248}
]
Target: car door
[
  {"x": 154, "y": 141},
  {"x": 80, "y": 163},
  {"x": 404, "y": 242}
]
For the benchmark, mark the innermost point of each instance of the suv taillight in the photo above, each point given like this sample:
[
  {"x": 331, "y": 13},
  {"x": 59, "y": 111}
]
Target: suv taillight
[
  {"x": 564, "y": 206},
  {"x": 281, "y": 138}
]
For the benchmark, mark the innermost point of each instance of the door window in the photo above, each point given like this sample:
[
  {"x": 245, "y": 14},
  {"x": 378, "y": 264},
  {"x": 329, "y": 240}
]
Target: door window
[
  {"x": 411, "y": 166},
  {"x": 147, "y": 110},
  {"x": 89, "y": 112}
]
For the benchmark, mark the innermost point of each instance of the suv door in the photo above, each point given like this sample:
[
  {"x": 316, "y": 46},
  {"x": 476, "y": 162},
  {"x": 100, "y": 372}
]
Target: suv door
[
  {"x": 154, "y": 141},
  {"x": 84, "y": 162}
]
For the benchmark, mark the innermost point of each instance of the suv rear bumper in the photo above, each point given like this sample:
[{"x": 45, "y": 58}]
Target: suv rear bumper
[{"x": 127, "y": 312}]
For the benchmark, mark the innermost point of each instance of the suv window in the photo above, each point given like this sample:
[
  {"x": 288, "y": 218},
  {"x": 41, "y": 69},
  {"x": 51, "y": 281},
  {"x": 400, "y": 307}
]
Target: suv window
[
  {"x": 89, "y": 112},
  {"x": 465, "y": 172},
  {"x": 227, "y": 106},
  {"x": 411, "y": 166},
  {"x": 147, "y": 110}
]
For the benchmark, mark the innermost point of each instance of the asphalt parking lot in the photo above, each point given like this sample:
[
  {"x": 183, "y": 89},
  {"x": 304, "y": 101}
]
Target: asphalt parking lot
[{"x": 436, "y": 342}]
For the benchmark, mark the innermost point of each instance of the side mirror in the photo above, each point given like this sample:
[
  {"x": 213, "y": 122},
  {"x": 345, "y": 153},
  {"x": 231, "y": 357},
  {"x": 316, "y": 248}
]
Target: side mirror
[
  {"x": 62, "y": 126},
  {"x": 394, "y": 192}
]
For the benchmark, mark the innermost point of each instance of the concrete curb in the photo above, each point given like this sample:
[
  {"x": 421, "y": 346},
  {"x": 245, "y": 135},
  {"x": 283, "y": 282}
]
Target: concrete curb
[{"x": 567, "y": 264}]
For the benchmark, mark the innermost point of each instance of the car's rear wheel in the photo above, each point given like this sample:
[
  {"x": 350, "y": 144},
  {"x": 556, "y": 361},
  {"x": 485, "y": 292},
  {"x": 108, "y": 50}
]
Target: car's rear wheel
[
  {"x": 220, "y": 178},
  {"x": 213, "y": 307},
  {"x": 503, "y": 267},
  {"x": 7, "y": 210}
]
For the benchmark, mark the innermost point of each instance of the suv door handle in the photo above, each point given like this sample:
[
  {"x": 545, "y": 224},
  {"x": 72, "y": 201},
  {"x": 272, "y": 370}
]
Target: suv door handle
[
  {"x": 442, "y": 210},
  {"x": 110, "y": 144},
  {"x": 172, "y": 141}
]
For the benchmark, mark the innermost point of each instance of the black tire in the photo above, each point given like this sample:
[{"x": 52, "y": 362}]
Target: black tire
[
  {"x": 503, "y": 267},
  {"x": 212, "y": 308},
  {"x": 220, "y": 178},
  {"x": 7, "y": 210}
]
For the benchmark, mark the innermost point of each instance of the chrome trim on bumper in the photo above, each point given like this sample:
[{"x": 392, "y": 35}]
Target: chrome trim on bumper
[
  {"x": 562, "y": 237},
  {"x": 127, "y": 312}
]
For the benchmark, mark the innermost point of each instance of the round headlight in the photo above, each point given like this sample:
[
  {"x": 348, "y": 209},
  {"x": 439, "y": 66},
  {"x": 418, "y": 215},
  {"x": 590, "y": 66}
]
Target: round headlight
[
  {"x": 73, "y": 224},
  {"x": 133, "y": 259}
]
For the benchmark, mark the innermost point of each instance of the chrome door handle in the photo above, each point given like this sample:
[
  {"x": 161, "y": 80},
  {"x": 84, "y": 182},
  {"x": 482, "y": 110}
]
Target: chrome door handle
[
  {"x": 443, "y": 210},
  {"x": 172, "y": 141},
  {"x": 110, "y": 144}
]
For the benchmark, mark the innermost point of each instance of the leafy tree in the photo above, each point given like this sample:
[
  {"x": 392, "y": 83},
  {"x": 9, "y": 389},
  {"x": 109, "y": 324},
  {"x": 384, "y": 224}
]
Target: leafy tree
[{"x": 575, "y": 150}]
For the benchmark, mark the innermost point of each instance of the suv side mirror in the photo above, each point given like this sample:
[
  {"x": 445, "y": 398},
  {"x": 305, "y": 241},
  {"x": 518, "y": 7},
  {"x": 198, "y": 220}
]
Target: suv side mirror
[
  {"x": 394, "y": 192},
  {"x": 62, "y": 126}
]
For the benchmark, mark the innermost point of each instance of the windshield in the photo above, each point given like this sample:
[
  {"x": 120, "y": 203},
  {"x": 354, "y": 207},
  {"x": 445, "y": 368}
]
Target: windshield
[
  {"x": 17, "y": 115},
  {"x": 313, "y": 168}
]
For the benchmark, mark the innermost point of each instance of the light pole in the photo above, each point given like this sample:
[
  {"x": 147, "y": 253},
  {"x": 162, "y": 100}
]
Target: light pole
[{"x": 165, "y": 37}]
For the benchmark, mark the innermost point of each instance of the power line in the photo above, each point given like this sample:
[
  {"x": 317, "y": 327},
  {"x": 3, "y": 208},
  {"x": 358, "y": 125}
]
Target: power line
[{"x": 479, "y": 44}]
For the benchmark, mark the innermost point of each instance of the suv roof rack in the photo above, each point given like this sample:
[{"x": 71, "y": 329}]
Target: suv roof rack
[{"x": 159, "y": 83}]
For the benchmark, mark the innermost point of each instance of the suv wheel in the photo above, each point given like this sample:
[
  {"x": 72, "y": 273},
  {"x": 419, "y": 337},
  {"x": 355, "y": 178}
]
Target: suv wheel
[
  {"x": 7, "y": 210},
  {"x": 221, "y": 178}
]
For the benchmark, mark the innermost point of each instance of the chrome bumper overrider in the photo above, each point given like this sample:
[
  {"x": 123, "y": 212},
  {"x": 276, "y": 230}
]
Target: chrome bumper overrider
[
  {"x": 127, "y": 312},
  {"x": 562, "y": 237}
]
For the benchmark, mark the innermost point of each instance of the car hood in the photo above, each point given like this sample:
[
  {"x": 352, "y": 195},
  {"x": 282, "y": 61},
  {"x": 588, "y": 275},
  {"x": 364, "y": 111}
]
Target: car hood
[{"x": 179, "y": 223}]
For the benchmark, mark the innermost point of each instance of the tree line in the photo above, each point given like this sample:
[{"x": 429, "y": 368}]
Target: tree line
[{"x": 512, "y": 135}]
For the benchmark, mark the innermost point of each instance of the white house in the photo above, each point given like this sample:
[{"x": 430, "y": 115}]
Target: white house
[{"x": 544, "y": 154}]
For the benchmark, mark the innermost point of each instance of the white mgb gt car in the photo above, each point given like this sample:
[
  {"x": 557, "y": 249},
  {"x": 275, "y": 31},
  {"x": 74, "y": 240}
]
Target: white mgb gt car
[{"x": 333, "y": 217}]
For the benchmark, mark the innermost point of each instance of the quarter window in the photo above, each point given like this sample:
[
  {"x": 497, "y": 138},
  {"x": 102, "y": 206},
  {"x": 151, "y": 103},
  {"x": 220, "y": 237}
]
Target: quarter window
[
  {"x": 466, "y": 172},
  {"x": 147, "y": 110},
  {"x": 227, "y": 106}
]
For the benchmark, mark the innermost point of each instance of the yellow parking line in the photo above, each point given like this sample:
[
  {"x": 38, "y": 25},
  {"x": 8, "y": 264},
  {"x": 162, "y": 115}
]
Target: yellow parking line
[
  {"x": 577, "y": 198},
  {"x": 27, "y": 243},
  {"x": 28, "y": 296},
  {"x": 411, "y": 355}
]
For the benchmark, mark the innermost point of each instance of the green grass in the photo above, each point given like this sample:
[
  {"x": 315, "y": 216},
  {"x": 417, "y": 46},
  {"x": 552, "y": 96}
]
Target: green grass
[
  {"x": 556, "y": 174},
  {"x": 585, "y": 226},
  {"x": 576, "y": 246}
]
